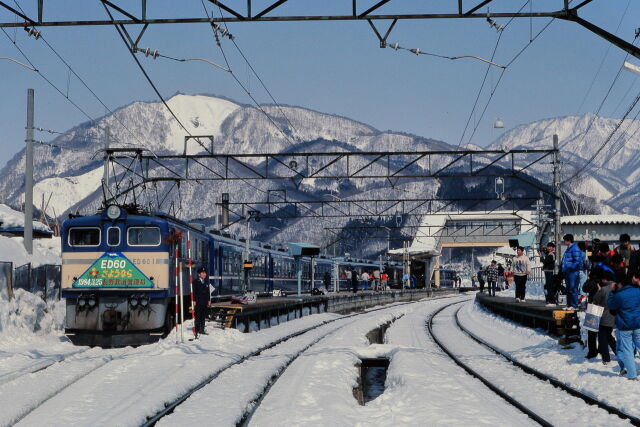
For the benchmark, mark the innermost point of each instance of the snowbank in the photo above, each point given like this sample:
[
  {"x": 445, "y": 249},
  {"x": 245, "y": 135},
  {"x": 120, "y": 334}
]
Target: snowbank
[
  {"x": 45, "y": 251},
  {"x": 28, "y": 314},
  {"x": 11, "y": 218}
]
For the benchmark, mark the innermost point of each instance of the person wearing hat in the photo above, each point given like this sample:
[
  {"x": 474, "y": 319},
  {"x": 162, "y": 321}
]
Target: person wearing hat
[
  {"x": 201, "y": 298},
  {"x": 626, "y": 250}
]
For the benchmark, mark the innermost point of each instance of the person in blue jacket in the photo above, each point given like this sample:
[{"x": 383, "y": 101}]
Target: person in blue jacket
[
  {"x": 573, "y": 261},
  {"x": 624, "y": 303}
]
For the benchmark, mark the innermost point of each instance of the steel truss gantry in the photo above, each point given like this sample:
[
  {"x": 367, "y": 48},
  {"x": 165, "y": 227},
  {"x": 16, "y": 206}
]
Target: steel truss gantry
[
  {"x": 346, "y": 10},
  {"x": 371, "y": 208},
  {"x": 143, "y": 169}
]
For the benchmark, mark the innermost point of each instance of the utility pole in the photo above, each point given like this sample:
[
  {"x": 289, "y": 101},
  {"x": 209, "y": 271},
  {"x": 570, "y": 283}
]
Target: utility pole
[
  {"x": 28, "y": 175},
  {"x": 557, "y": 194},
  {"x": 105, "y": 172}
]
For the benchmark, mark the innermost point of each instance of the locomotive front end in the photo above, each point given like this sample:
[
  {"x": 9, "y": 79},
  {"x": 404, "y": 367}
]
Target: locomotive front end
[{"x": 115, "y": 278}]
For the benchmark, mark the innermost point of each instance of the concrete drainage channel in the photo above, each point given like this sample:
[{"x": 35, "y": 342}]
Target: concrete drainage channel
[
  {"x": 373, "y": 371},
  {"x": 373, "y": 375}
]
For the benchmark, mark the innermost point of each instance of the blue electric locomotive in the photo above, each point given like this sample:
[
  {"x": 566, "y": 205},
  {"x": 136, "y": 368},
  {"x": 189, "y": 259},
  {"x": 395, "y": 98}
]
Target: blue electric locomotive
[{"x": 119, "y": 272}]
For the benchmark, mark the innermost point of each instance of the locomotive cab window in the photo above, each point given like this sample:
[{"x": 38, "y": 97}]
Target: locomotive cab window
[
  {"x": 143, "y": 236},
  {"x": 84, "y": 236},
  {"x": 113, "y": 236}
]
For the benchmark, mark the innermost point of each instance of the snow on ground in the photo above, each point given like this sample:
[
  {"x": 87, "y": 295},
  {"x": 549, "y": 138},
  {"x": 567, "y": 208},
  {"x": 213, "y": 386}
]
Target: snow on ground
[
  {"x": 45, "y": 251},
  {"x": 67, "y": 191},
  {"x": 27, "y": 314},
  {"x": 534, "y": 290},
  {"x": 202, "y": 115},
  {"x": 422, "y": 386},
  {"x": 136, "y": 382},
  {"x": 547, "y": 401},
  {"x": 228, "y": 398},
  {"x": 10, "y": 218},
  {"x": 537, "y": 349},
  {"x": 30, "y": 334}
]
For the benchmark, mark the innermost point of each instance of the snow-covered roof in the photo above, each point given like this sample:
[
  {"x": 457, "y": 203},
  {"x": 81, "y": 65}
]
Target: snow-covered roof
[
  {"x": 506, "y": 251},
  {"x": 10, "y": 219},
  {"x": 422, "y": 246},
  {"x": 600, "y": 219}
]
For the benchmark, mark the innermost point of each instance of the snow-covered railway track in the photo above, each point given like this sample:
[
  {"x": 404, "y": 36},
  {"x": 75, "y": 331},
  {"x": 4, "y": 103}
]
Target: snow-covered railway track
[
  {"x": 248, "y": 415},
  {"x": 45, "y": 384},
  {"x": 38, "y": 366},
  {"x": 544, "y": 377},
  {"x": 313, "y": 334},
  {"x": 544, "y": 402}
]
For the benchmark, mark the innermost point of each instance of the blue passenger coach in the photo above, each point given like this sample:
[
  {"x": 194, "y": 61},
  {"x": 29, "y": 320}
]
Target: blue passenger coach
[{"x": 119, "y": 272}]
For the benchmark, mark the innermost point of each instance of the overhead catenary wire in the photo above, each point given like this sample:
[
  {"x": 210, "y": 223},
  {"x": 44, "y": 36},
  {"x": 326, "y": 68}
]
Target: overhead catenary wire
[
  {"x": 150, "y": 81},
  {"x": 493, "y": 90},
  {"x": 18, "y": 62},
  {"x": 38, "y": 35},
  {"x": 604, "y": 57},
  {"x": 417, "y": 51},
  {"x": 583, "y": 169},
  {"x": 486, "y": 73},
  {"x": 216, "y": 30}
]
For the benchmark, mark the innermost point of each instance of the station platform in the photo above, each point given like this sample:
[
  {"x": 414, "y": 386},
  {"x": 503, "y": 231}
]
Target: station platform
[
  {"x": 267, "y": 312},
  {"x": 536, "y": 314}
]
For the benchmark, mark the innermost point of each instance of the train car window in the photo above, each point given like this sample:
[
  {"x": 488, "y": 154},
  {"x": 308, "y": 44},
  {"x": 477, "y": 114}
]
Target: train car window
[
  {"x": 113, "y": 236},
  {"x": 143, "y": 236},
  {"x": 84, "y": 236}
]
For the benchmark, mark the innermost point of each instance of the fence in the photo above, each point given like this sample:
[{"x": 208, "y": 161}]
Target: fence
[
  {"x": 43, "y": 280},
  {"x": 6, "y": 279}
]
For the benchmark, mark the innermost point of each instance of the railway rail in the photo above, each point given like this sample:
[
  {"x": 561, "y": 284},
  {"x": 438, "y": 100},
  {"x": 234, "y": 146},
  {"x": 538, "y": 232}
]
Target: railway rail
[
  {"x": 245, "y": 419},
  {"x": 517, "y": 403},
  {"x": 37, "y": 367},
  {"x": 544, "y": 377}
]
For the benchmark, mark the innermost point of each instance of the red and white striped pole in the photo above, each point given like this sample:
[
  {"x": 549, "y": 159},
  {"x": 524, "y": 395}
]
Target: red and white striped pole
[
  {"x": 193, "y": 311},
  {"x": 176, "y": 293},
  {"x": 181, "y": 307}
]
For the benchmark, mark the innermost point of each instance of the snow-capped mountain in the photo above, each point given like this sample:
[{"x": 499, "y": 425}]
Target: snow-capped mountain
[
  {"x": 610, "y": 178},
  {"x": 68, "y": 174}
]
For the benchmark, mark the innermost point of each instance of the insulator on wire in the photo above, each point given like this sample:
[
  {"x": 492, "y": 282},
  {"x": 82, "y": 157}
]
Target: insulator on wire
[
  {"x": 395, "y": 46},
  {"x": 148, "y": 52},
  {"x": 416, "y": 51},
  {"x": 33, "y": 32}
]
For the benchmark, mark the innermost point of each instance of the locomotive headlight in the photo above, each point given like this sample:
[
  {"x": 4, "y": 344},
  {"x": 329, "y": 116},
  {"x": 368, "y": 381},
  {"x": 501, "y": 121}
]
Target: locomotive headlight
[
  {"x": 144, "y": 302},
  {"x": 82, "y": 303},
  {"x": 113, "y": 212},
  {"x": 133, "y": 302},
  {"x": 92, "y": 302}
]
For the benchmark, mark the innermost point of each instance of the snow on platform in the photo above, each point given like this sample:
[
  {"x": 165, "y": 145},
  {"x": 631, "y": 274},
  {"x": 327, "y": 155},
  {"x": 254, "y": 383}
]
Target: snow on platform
[
  {"x": 422, "y": 386},
  {"x": 540, "y": 351}
]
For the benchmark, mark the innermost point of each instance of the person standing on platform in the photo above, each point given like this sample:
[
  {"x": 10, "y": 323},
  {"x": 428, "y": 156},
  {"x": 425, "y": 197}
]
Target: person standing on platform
[
  {"x": 384, "y": 277},
  {"x": 365, "y": 281},
  {"x": 521, "y": 269},
  {"x": 326, "y": 280},
  {"x": 591, "y": 288},
  {"x": 481, "y": 280},
  {"x": 405, "y": 281},
  {"x": 548, "y": 265},
  {"x": 202, "y": 299},
  {"x": 572, "y": 263},
  {"x": 354, "y": 281},
  {"x": 626, "y": 250},
  {"x": 376, "y": 280},
  {"x": 607, "y": 321},
  {"x": 501, "y": 277},
  {"x": 624, "y": 302},
  {"x": 492, "y": 278}
]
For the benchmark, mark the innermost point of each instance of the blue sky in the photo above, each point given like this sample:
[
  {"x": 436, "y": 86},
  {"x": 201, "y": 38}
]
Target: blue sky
[{"x": 334, "y": 67}]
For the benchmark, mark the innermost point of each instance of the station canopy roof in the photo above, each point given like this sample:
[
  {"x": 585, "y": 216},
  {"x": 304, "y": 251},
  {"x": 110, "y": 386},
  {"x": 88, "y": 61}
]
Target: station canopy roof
[{"x": 600, "y": 219}]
